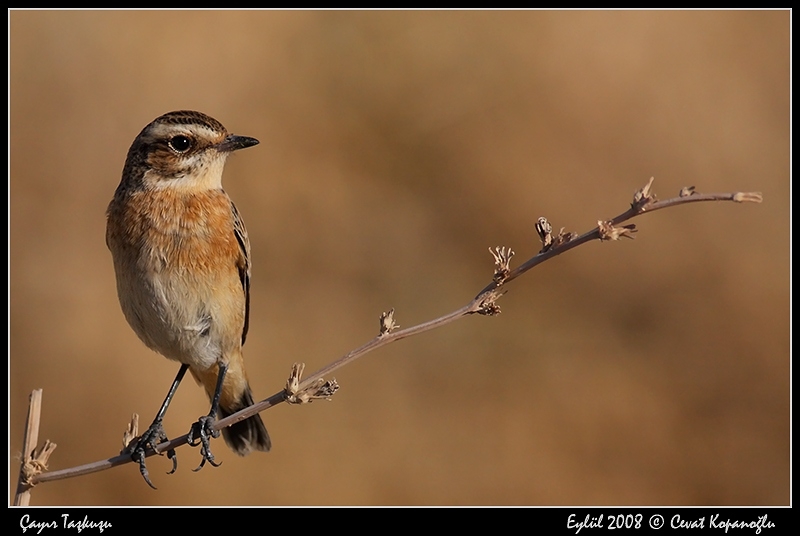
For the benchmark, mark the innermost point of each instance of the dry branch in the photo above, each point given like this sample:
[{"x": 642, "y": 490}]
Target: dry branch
[{"x": 314, "y": 386}]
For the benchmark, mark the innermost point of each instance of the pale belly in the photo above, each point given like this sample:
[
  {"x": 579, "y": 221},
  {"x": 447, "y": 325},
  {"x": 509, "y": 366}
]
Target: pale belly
[{"x": 193, "y": 320}]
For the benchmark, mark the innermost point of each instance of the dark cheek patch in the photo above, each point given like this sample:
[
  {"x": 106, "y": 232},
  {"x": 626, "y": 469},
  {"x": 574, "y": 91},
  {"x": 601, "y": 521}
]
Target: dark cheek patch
[{"x": 165, "y": 163}]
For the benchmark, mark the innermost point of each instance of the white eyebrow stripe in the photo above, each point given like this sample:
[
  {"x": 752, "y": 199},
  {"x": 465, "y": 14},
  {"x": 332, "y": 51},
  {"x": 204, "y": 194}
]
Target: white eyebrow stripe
[{"x": 167, "y": 131}]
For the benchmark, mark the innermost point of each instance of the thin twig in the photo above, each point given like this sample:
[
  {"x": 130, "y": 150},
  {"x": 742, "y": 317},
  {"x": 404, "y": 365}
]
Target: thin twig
[
  {"x": 33, "y": 462},
  {"x": 23, "y": 496},
  {"x": 483, "y": 303}
]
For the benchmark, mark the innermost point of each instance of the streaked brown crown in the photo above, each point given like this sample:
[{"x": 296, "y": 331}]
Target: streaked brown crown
[{"x": 187, "y": 117}]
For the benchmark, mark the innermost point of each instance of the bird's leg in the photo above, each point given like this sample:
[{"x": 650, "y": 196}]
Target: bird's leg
[
  {"x": 155, "y": 435},
  {"x": 203, "y": 429}
]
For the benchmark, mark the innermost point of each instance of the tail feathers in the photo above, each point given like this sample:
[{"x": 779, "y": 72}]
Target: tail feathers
[{"x": 248, "y": 435}]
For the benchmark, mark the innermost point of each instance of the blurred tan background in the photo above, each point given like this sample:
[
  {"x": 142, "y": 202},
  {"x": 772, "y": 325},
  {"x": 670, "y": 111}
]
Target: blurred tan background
[{"x": 396, "y": 147}]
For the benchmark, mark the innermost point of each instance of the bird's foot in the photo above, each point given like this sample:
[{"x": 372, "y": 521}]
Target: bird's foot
[
  {"x": 201, "y": 433},
  {"x": 151, "y": 438}
]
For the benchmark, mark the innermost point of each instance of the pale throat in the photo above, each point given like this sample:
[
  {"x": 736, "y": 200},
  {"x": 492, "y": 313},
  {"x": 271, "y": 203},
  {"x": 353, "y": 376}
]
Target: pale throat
[{"x": 202, "y": 173}]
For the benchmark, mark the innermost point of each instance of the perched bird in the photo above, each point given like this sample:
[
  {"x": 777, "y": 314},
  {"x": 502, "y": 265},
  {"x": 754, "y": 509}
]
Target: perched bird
[{"x": 182, "y": 263}]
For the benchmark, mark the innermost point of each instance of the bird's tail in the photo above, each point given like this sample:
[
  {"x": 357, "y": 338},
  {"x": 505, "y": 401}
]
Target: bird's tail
[
  {"x": 244, "y": 436},
  {"x": 248, "y": 435}
]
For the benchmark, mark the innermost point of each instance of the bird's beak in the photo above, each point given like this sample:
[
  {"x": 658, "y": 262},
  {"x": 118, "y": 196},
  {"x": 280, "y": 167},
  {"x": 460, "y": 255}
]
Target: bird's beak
[{"x": 234, "y": 143}]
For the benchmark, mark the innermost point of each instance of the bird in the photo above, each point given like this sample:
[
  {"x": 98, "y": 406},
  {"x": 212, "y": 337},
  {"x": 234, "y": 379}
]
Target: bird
[{"x": 181, "y": 257}]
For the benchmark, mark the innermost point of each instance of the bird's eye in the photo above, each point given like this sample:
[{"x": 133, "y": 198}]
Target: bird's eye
[{"x": 180, "y": 144}]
